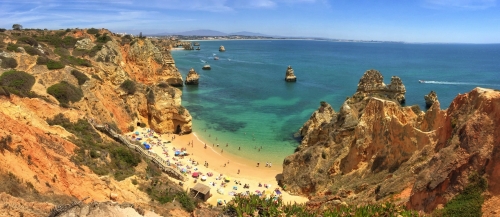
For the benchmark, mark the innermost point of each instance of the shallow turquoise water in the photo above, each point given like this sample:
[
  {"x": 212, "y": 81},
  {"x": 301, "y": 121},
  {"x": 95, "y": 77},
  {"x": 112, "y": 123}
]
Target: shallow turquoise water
[{"x": 244, "y": 100}]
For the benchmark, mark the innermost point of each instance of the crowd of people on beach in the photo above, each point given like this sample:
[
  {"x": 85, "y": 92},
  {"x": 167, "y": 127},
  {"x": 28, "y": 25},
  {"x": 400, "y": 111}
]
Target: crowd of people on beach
[{"x": 189, "y": 166}]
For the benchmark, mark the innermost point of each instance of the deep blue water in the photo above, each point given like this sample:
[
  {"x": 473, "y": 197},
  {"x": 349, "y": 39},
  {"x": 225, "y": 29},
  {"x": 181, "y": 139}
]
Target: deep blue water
[{"x": 244, "y": 100}]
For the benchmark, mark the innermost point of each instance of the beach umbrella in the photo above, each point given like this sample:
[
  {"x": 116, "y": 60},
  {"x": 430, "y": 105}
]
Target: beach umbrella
[
  {"x": 203, "y": 178},
  {"x": 147, "y": 146},
  {"x": 177, "y": 153},
  {"x": 227, "y": 179},
  {"x": 136, "y": 133},
  {"x": 195, "y": 175}
]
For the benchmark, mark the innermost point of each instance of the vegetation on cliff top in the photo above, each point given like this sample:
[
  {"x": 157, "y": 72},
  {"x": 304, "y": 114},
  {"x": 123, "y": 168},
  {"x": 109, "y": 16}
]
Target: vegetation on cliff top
[
  {"x": 65, "y": 93},
  {"x": 102, "y": 157},
  {"x": 17, "y": 82},
  {"x": 8, "y": 62},
  {"x": 253, "y": 204},
  {"x": 128, "y": 86},
  {"x": 82, "y": 78}
]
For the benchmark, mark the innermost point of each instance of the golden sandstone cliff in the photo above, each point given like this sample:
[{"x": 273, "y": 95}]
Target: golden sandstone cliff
[
  {"x": 374, "y": 149},
  {"x": 37, "y": 160}
]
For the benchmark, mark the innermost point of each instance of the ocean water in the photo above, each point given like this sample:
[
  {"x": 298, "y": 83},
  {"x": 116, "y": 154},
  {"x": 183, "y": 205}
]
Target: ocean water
[{"x": 244, "y": 101}]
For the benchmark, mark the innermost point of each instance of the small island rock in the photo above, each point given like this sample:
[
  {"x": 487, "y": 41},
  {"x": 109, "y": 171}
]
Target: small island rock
[
  {"x": 290, "y": 77},
  {"x": 222, "y": 49},
  {"x": 192, "y": 77}
]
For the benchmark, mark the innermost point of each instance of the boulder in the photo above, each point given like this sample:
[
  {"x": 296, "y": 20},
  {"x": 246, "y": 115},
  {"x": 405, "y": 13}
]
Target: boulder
[
  {"x": 84, "y": 44},
  {"x": 222, "y": 49},
  {"x": 290, "y": 77},
  {"x": 430, "y": 99},
  {"x": 192, "y": 77}
]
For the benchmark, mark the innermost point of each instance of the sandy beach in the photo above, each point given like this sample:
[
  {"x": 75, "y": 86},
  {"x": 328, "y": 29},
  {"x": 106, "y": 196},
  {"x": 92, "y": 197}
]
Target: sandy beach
[{"x": 218, "y": 163}]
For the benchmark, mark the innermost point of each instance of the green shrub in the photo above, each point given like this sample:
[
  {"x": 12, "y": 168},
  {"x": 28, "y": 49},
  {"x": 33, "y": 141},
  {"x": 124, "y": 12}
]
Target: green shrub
[
  {"x": 103, "y": 39},
  {"x": 32, "y": 51},
  {"x": 92, "y": 31},
  {"x": 12, "y": 47},
  {"x": 52, "y": 64},
  {"x": 181, "y": 110},
  {"x": 28, "y": 40},
  {"x": 82, "y": 78},
  {"x": 18, "y": 80},
  {"x": 186, "y": 201},
  {"x": 62, "y": 52},
  {"x": 128, "y": 86},
  {"x": 8, "y": 62},
  {"x": 469, "y": 201},
  {"x": 65, "y": 92},
  {"x": 42, "y": 60}
]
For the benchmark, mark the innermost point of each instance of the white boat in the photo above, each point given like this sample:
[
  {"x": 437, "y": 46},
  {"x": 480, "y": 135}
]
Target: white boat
[
  {"x": 216, "y": 58},
  {"x": 206, "y": 67},
  {"x": 421, "y": 81}
]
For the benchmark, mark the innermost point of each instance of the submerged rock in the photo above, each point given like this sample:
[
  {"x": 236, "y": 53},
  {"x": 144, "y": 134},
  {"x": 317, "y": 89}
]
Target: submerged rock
[
  {"x": 192, "y": 77},
  {"x": 290, "y": 77}
]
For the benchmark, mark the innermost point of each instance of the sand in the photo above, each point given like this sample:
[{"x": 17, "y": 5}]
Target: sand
[{"x": 220, "y": 162}]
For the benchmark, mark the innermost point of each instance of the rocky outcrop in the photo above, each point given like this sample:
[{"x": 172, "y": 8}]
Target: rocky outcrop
[
  {"x": 430, "y": 99},
  {"x": 192, "y": 77},
  {"x": 373, "y": 149},
  {"x": 289, "y": 76},
  {"x": 372, "y": 84},
  {"x": 165, "y": 112},
  {"x": 311, "y": 131},
  {"x": 222, "y": 49},
  {"x": 148, "y": 65},
  {"x": 85, "y": 44}
]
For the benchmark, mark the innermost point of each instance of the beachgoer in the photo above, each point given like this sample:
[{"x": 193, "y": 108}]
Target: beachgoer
[
  {"x": 226, "y": 144},
  {"x": 258, "y": 164},
  {"x": 239, "y": 148},
  {"x": 269, "y": 164},
  {"x": 238, "y": 171},
  {"x": 221, "y": 151}
]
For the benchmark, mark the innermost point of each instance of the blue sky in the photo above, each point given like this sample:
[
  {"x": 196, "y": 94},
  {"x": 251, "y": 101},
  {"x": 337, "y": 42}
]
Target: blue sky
[{"x": 448, "y": 21}]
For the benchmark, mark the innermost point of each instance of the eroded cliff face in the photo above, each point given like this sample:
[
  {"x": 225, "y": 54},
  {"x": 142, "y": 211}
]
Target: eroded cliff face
[
  {"x": 36, "y": 163},
  {"x": 374, "y": 149}
]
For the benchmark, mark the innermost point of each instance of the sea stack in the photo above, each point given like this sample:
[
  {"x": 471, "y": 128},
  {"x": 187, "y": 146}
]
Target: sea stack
[
  {"x": 430, "y": 99},
  {"x": 290, "y": 77},
  {"x": 222, "y": 49},
  {"x": 372, "y": 84},
  {"x": 192, "y": 77}
]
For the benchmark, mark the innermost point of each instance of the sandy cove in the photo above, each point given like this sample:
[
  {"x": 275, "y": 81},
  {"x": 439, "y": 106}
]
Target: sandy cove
[{"x": 249, "y": 172}]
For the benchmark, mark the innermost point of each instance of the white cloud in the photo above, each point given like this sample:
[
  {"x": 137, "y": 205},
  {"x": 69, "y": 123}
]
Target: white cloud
[{"x": 461, "y": 4}]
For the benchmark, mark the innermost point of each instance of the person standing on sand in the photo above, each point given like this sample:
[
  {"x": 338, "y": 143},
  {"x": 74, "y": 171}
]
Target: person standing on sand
[
  {"x": 258, "y": 164},
  {"x": 239, "y": 148},
  {"x": 222, "y": 151},
  {"x": 269, "y": 164},
  {"x": 238, "y": 171}
]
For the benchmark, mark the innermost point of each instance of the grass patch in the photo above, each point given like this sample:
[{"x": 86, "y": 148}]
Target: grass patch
[
  {"x": 101, "y": 157},
  {"x": 65, "y": 92},
  {"x": 52, "y": 64},
  {"x": 469, "y": 201}
]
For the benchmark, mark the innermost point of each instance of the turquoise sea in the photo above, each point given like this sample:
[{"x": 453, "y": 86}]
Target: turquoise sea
[{"x": 245, "y": 102}]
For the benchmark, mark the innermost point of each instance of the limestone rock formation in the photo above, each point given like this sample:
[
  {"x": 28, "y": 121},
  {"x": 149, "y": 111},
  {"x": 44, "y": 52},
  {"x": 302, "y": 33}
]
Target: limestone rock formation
[
  {"x": 149, "y": 65},
  {"x": 192, "y": 77},
  {"x": 372, "y": 84},
  {"x": 430, "y": 99},
  {"x": 85, "y": 44},
  {"x": 289, "y": 76},
  {"x": 374, "y": 149},
  {"x": 222, "y": 49},
  {"x": 166, "y": 114},
  {"x": 323, "y": 115}
]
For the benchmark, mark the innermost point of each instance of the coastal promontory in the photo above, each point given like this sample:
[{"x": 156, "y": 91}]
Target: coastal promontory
[{"x": 375, "y": 150}]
